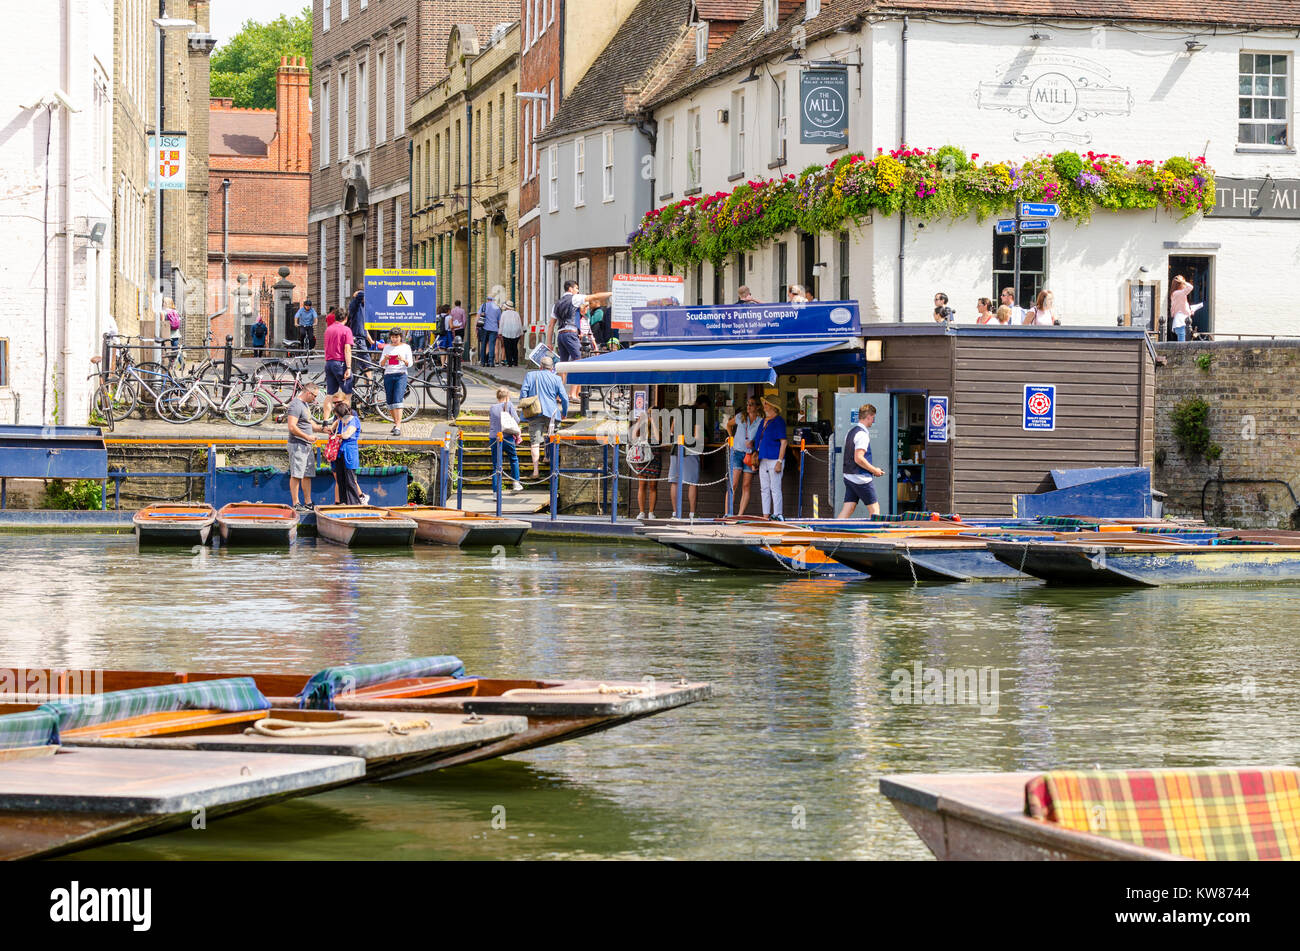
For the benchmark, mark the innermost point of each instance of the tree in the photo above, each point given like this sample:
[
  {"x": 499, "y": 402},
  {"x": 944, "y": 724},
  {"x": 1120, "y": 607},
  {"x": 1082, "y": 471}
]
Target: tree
[{"x": 244, "y": 68}]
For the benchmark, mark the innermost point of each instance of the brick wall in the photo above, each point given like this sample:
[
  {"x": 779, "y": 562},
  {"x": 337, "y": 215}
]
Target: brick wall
[{"x": 1254, "y": 415}]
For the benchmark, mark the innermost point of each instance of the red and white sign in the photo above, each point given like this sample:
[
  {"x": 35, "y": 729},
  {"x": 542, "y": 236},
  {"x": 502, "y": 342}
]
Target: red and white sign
[{"x": 643, "y": 290}]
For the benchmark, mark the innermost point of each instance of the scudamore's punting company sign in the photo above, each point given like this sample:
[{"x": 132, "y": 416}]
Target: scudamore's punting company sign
[{"x": 747, "y": 321}]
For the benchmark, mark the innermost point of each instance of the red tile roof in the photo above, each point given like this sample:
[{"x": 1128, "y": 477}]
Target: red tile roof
[
  {"x": 240, "y": 131},
  {"x": 726, "y": 9}
]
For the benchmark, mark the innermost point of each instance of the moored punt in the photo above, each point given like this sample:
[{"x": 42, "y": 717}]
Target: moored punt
[
  {"x": 1124, "y": 815},
  {"x": 364, "y": 526},
  {"x": 181, "y": 525},
  {"x": 920, "y": 558},
  {"x": 556, "y": 710},
  {"x": 257, "y": 523},
  {"x": 444, "y": 526}
]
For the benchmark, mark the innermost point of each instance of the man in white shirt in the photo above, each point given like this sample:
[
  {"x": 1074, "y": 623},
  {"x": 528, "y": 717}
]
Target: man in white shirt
[
  {"x": 1009, "y": 299},
  {"x": 858, "y": 467}
]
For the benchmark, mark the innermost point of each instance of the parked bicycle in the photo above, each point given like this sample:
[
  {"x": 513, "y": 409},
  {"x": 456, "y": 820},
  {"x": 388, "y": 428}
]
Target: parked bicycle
[{"x": 187, "y": 401}]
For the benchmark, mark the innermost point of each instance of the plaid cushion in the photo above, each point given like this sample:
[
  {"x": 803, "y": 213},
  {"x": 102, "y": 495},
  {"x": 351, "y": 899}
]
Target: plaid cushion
[
  {"x": 1068, "y": 521},
  {"x": 33, "y": 728},
  {"x": 320, "y": 691},
  {"x": 234, "y": 694},
  {"x": 1211, "y": 814}
]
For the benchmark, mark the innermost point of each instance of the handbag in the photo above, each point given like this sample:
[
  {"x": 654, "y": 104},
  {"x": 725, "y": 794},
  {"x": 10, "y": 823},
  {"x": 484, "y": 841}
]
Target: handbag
[
  {"x": 530, "y": 406},
  {"x": 509, "y": 426},
  {"x": 332, "y": 447},
  {"x": 752, "y": 458}
]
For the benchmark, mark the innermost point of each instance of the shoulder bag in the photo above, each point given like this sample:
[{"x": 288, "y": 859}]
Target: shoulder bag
[{"x": 752, "y": 458}]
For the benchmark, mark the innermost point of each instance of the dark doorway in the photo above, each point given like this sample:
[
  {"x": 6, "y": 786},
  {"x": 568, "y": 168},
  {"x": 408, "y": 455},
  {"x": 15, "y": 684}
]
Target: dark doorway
[
  {"x": 1197, "y": 268},
  {"x": 358, "y": 262},
  {"x": 807, "y": 258}
]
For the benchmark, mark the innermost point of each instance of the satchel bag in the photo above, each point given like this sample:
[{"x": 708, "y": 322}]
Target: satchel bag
[
  {"x": 752, "y": 458},
  {"x": 332, "y": 447},
  {"x": 530, "y": 406}
]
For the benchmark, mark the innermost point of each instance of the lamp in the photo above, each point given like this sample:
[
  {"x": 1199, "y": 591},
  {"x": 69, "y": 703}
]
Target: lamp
[
  {"x": 1040, "y": 36},
  {"x": 1193, "y": 45},
  {"x": 794, "y": 57},
  {"x": 753, "y": 75},
  {"x": 724, "y": 115}
]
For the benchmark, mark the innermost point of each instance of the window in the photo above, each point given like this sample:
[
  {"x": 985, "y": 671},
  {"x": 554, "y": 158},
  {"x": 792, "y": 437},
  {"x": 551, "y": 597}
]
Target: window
[
  {"x": 1264, "y": 99},
  {"x": 397, "y": 232},
  {"x": 325, "y": 121},
  {"x": 501, "y": 131},
  {"x": 343, "y": 116},
  {"x": 363, "y": 107},
  {"x": 693, "y": 148},
  {"x": 844, "y": 265},
  {"x": 1033, "y": 269},
  {"x": 701, "y": 43},
  {"x": 514, "y": 123},
  {"x": 430, "y": 166},
  {"x": 528, "y": 131},
  {"x": 4, "y": 362},
  {"x": 379, "y": 230},
  {"x": 343, "y": 10},
  {"x": 812, "y": 8},
  {"x": 782, "y": 271},
  {"x": 399, "y": 90},
  {"x": 437, "y": 162},
  {"x": 771, "y": 15},
  {"x": 699, "y": 284},
  {"x": 667, "y": 170},
  {"x": 325, "y": 22},
  {"x": 446, "y": 154},
  {"x": 737, "y": 122},
  {"x": 103, "y": 118},
  {"x": 343, "y": 260},
  {"x": 458, "y": 154},
  {"x": 740, "y": 270},
  {"x": 478, "y": 144},
  {"x": 552, "y": 179},
  {"x": 415, "y": 185},
  {"x": 487, "y": 129},
  {"x": 381, "y": 97},
  {"x": 607, "y": 166},
  {"x": 778, "y": 120},
  {"x": 579, "y": 171}
]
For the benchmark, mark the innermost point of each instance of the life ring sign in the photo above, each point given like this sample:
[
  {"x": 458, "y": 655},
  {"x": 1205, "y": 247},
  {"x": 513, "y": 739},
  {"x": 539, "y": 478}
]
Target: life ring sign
[
  {"x": 936, "y": 414},
  {"x": 1040, "y": 407}
]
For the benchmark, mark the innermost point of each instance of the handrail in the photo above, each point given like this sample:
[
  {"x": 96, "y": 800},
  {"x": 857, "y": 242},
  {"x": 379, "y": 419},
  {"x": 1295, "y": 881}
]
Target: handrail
[{"x": 140, "y": 440}]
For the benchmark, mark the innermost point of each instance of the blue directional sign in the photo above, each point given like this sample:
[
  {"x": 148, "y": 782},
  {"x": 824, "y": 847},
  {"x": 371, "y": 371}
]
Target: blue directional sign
[
  {"x": 1034, "y": 224},
  {"x": 1006, "y": 226},
  {"x": 1040, "y": 408},
  {"x": 1032, "y": 209},
  {"x": 401, "y": 297},
  {"x": 936, "y": 418}
]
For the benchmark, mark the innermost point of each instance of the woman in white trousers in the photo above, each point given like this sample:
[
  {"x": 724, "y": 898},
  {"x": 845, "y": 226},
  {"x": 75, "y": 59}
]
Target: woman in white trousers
[{"x": 772, "y": 441}]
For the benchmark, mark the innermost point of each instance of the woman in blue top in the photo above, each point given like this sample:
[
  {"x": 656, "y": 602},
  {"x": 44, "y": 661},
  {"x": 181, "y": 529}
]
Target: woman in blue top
[
  {"x": 771, "y": 441},
  {"x": 347, "y": 491}
]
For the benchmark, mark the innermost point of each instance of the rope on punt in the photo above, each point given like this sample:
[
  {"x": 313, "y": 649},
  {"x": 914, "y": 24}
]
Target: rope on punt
[
  {"x": 273, "y": 727},
  {"x": 626, "y": 690}
]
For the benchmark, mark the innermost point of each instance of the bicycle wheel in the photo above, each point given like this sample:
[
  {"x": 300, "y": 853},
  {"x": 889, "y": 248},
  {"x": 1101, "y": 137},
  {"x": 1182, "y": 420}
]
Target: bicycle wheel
[
  {"x": 278, "y": 378},
  {"x": 618, "y": 401},
  {"x": 121, "y": 393},
  {"x": 412, "y": 403},
  {"x": 247, "y": 407},
  {"x": 178, "y": 404},
  {"x": 102, "y": 405}
]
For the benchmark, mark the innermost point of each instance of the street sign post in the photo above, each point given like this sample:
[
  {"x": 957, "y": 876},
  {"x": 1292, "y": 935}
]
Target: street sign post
[
  {"x": 1038, "y": 209},
  {"x": 1006, "y": 226},
  {"x": 1033, "y": 241},
  {"x": 1031, "y": 216},
  {"x": 1034, "y": 224}
]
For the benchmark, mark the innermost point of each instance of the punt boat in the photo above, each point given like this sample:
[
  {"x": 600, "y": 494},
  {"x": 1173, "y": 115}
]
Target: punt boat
[
  {"x": 232, "y": 715},
  {"x": 257, "y": 523},
  {"x": 456, "y": 527},
  {"x": 556, "y": 710},
  {"x": 1121, "y": 815},
  {"x": 172, "y": 524},
  {"x": 1138, "y": 561},
  {"x": 749, "y": 549},
  {"x": 364, "y": 526}
]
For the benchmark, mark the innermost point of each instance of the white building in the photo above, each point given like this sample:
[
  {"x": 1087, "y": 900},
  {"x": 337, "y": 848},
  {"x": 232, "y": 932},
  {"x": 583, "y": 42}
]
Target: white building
[
  {"x": 55, "y": 188},
  {"x": 1009, "y": 81}
]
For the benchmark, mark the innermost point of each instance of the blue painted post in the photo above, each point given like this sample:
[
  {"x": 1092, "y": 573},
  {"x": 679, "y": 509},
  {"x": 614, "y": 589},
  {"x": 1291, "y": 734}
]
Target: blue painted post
[
  {"x": 444, "y": 475},
  {"x": 498, "y": 454},
  {"x": 555, "y": 477},
  {"x": 210, "y": 483},
  {"x": 460, "y": 471},
  {"x": 613, "y": 509},
  {"x": 799, "y": 511},
  {"x": 3, "y": 491},
  {"x": 681, "y": 451},
  {"x": 731, "y": 502},
  {"x": 117, "y": 493}
]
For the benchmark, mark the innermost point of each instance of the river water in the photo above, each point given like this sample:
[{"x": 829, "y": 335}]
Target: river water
[{"x": 810, "y": 708}]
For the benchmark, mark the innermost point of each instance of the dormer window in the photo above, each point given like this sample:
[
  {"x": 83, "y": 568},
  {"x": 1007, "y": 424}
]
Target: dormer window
[
  {"x": 701, "y": 43},
  {"x": 771, "y": 15},
  {"x": 812, "y": 8}
]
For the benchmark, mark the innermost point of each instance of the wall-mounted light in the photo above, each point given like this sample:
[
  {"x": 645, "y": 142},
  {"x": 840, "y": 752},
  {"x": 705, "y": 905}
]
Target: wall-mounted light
[
  {"x": 794, "y": 57},
  {"x": 819, "y": 269},
  {"x": 1040, "y": 37},
  {"x": 98, "y": 228},
  {"x": 1006, "y": 253},
  {"x": 724, "y": 116},
  {"x": 1193, "y": 45}
]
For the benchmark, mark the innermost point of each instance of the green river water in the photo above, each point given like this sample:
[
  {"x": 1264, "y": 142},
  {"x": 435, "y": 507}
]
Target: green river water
[{"x": 782, "y": 763}]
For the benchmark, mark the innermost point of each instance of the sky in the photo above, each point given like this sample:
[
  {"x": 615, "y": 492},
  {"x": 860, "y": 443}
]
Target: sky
[{"x": 227, "y": 16}]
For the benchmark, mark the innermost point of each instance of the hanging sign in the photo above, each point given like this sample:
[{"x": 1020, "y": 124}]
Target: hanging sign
[
  {"x": 169, "y": 162},
  {"x": 824, "y": 106},
  {"x": 642, "y": 290},
  {"x": 1040, "y": 408},
  {"x": 747, "y": 321},
  {"x": 936, "y": 419}
]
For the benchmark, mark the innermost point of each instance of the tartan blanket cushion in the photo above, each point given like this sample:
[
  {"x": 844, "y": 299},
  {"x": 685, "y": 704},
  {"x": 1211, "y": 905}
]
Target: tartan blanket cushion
[
  {"x": 32, "y": 728},
  {"x": 1210, "y": 814},
  {"x": 234, "y": 694},
  {"x": 319, "y": 692}
]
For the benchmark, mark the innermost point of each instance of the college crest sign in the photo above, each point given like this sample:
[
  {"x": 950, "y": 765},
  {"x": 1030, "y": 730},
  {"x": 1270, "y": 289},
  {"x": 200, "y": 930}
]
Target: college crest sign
[{"x": 169, "y": 162}]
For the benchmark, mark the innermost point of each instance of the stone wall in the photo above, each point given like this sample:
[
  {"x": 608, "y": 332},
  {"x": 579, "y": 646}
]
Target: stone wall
[{"x": 1254, "y": 416}]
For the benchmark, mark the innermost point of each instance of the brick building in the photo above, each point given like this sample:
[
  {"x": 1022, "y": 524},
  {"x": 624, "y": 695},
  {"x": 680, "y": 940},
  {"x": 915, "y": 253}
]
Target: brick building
[
  {"x": 371, "y": 61},
  {"x": 260, "y": 222}
]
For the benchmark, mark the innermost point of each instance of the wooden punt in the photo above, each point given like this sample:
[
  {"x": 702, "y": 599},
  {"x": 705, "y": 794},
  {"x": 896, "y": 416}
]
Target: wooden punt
[
  {"x": 556, "y": 710},
  {"x": 981, "y": 817},
  {"x": 69, "y": 799},
  {"x": 257, "y": 524},
  {"x": 174, "y": 525},
  {"x": 364, "y": 526},
  {"x": 459, "y": 528}
]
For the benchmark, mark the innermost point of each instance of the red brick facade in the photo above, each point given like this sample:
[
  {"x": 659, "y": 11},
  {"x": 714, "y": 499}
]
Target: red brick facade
[{"x": 266, "y": 155}]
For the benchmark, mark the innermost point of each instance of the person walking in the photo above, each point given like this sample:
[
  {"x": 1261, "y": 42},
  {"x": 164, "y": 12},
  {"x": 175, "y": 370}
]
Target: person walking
[
  {"x": 858, "y": 467},
  {"x": 1043, "y": 313},
  {"x": 302, "y": 460},
  {"x": 338, "y": 357},
  {"x": 306, "y": 321},
  {"x": 503, "y": 420},
  {"x": 743, "y": 428},
  {"x": 456, "y": 319},
  {"x": 512, "y": 328},
  {"x": 1180, "y": 308},
  {"x": 491, "y": 327},
  {"x": 347, "y": 426},
  {"x": 772, "y": 441},
  {"x": 643, "y": 444},
  {"x": 395, "y": 359},
  {"x": 941, "y": 303},
  {"x": 173, "y": 320},
  {"x": 259, "y": 331},
  {"x": 357, "y": 320},
  {"x": 553, "y": 404}
]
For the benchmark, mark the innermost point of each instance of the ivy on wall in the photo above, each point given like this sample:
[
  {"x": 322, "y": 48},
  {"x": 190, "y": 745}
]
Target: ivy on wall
[{"x": 926, "y": 184}]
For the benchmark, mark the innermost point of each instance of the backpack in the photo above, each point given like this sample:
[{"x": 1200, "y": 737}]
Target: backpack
[
  {"x": 563, "y": 312},
  {"x": 173, "y": 320}
]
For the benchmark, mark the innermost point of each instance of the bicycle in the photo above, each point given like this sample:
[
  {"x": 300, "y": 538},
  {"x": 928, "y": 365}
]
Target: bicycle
[
  {"x": 134, "y": 384},
  {"x": 101, "y": 404},
  {"x": 186, "y": 402},
  {"x": 428, "y": 374},
  {"x": 369, "y": 396}
]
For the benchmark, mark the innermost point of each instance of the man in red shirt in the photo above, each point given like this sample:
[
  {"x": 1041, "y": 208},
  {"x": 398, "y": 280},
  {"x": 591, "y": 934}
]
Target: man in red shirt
[{"x": 338, "y": 356}]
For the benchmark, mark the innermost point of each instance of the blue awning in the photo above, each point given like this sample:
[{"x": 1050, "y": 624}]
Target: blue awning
[{"x": 694, "y": 363}]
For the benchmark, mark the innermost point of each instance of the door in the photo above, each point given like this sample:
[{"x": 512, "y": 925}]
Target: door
[
  {"x": 357, "y": 265},
  {"x": 1197, "y": 268},
  {"x": 808, "y": 258},
  {"x": 882, "y": 452}
]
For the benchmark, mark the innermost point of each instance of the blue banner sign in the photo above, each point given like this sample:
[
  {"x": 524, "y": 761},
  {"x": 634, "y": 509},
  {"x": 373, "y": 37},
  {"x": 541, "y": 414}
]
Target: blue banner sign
[
  {"x": 1034, "y": 224},
  {"x": 747, "y": 321},
  {"x": 936, "y": 419},
  {"x": 1006, "y": 226},
  {"x": 401, "y": 297},
  {"x": 1040, "y": 408},
  {"x": 1036, "y": 209}
]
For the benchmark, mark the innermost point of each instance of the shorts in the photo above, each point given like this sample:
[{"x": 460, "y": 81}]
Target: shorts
[
  {"x": 690, "y": 468},
  {"x": 538, "y": 428},
  {"x": 334, "y": 381},
  {"x": 568, "y": 345},
  {"x": 302, "y": 460},
  {"x": 738, "y": 460},
  {"x": 864, "y": 492},
  {"x": 394, "y": 389}
]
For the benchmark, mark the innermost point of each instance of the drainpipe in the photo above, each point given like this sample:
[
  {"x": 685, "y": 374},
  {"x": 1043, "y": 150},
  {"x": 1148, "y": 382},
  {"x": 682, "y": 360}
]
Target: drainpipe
[
  {"x": 225, "y": 252},
  {"x": 64, "y": 327},
  {"x": 650, "y": 130},
  {"x": 902, "y": 140}
]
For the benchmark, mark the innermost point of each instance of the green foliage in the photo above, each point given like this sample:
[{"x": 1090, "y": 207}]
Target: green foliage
[
  {"x": 1068, "y": 165},
  {"x": 79, "y": 495},
  {"x": 417, "y": 494},
  {"x": 1191, "y": 429},
  {"x": 1203, "y": 361},
  {"x": 244, "y": 68}
]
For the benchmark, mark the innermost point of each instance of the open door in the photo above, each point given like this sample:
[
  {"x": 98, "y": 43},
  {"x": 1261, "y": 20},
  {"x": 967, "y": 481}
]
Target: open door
[{"x": 882, "y": 448}]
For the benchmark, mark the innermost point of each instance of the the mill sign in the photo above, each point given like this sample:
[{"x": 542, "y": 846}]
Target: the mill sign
[{"x": 1052, "y": 90}]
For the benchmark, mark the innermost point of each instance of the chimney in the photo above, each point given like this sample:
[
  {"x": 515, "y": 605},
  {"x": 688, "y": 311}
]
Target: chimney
[{"x": 292, "y": 118}]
